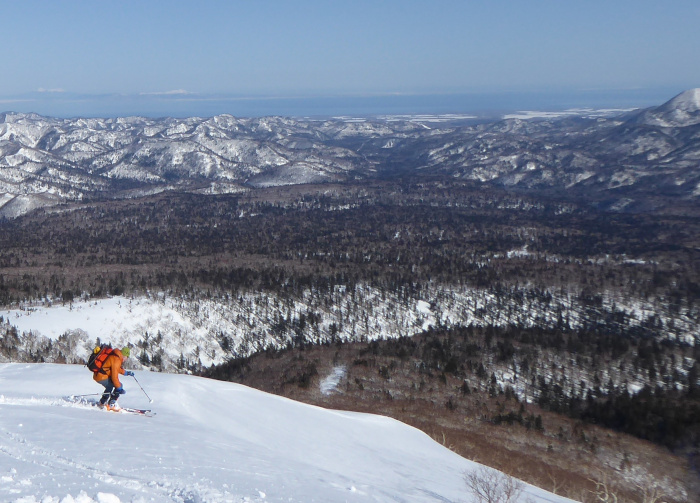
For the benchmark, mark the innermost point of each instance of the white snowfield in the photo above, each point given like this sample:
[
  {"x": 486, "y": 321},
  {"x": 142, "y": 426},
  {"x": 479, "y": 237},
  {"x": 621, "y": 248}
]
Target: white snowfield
[{"x": 209, "y": 442}]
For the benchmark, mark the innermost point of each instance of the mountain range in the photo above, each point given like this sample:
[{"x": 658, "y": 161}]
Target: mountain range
[{"x": 643, "y": 160}]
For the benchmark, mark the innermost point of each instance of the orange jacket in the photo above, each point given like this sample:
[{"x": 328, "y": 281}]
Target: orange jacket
[{"x": 111, "y": 369}]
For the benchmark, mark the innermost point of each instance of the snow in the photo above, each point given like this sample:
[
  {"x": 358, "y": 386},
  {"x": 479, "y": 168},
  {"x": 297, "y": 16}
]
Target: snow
[
  {"x": 574, "y": 112},
  {"x": 425, "y": 314},
  {"x": 117, "y": 320},
  {"x": 520, "y": 253},
  {"x": 209, "y": 441},
  {"x": 329, "y": 384},
  {"x": 427, "y": 118},
  {"x": 6, "y": 198},
  {"x": 688, "y": 100},
  {"x": 24, "y": 203},
  {"x": 681, "y": 111}
]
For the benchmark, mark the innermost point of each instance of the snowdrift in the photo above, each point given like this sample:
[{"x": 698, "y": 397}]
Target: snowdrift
[{"x": 209, "y": 441}]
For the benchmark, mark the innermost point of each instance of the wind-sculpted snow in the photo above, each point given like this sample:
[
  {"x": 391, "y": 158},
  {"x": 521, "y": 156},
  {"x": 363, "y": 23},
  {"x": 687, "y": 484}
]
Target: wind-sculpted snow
[{"x": 209, "y": 442}]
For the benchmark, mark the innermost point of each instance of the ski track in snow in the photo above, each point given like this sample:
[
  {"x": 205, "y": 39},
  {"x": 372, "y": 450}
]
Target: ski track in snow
[
  {"x": 47, "y": 468},
  {"x": 39, "y": 469}
]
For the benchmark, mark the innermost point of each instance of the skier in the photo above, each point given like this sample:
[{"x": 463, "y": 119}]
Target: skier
[{"x": 108, "y": 377}]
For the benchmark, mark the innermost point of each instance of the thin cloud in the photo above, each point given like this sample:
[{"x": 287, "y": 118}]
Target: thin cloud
[
  {"x": 174, "y": 92},
  {"x": 16, "y": 100},
  {"x": 53, "y": 90}
]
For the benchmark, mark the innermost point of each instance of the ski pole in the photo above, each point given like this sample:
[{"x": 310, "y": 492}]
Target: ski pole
[{"x": 150, "y": 400}]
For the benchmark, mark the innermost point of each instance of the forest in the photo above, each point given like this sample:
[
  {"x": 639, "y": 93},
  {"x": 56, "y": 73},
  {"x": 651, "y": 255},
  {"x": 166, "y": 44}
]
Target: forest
[{"x": 392, "y": 234}]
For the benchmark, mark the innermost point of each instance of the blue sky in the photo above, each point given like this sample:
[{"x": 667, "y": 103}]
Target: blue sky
[{"x": 89, "y": 52}]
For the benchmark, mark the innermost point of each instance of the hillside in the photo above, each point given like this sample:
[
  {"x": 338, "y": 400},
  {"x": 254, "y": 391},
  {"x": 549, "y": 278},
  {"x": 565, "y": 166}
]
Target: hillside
[
  {"x": 209, "y": 441},
  {"x": 453, "y": 387}
]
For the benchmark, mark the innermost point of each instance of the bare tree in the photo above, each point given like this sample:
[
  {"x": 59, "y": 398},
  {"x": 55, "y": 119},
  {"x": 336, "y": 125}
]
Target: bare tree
[
  {"x": 557, "y": 485},
  {"x": 491, "y": 486},
  {"x": 603, "y": 491},
  {"x": 651, "y": 493}
]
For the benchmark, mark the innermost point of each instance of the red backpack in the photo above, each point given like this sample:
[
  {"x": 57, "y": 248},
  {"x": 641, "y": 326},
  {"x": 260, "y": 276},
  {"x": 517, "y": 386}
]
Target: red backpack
[{"x": 98, "y": 357}]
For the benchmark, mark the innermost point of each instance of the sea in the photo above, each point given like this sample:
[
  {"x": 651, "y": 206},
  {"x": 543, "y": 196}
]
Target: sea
[{"x": 481, "y": 104}]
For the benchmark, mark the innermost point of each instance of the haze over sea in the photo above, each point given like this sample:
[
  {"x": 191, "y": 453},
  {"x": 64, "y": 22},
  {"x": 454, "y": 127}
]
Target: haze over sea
[{"x": 484, "y": 104}]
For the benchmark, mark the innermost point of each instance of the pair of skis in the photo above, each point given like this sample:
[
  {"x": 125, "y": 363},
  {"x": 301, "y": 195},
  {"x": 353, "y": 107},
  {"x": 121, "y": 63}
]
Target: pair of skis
[
  {"x": 94, "y": 403},
  {"x": 130, "y": 410}
]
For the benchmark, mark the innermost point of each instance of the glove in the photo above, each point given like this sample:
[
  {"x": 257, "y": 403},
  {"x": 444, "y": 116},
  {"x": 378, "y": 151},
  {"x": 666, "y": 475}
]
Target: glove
[
  {"x": 120, "y": 390},
  {"x": 129, "y": 373}
]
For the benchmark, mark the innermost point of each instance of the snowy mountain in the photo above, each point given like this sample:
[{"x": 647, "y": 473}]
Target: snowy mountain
[
  {"x": 681, "y": 111},
  {"x": 71, "y": 159},
  {"x": 210, "y": 442},
  {"x": 595, "y": 155}
]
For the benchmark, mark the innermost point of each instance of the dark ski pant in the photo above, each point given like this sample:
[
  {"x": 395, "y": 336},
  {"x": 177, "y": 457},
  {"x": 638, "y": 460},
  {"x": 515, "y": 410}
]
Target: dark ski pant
[{"x": 109, "y": 393}]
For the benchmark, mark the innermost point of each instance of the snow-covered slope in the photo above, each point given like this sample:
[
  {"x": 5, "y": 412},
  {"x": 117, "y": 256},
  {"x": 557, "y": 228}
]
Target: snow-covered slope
[
  {"x": 209, "y": 442},
  {"x": 681, "y": 111}
]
